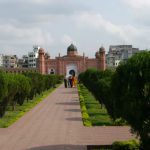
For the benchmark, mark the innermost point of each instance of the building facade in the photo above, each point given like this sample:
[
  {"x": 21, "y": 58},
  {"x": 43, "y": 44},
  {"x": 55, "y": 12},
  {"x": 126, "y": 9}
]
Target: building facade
[
  {"x": 10, "y": 61},
  {"x": 33, "y": 57},
  {"x": 72, "y": 63},
  {"x": 1, "y": 60},
  {"x": 118, "y": 53}
]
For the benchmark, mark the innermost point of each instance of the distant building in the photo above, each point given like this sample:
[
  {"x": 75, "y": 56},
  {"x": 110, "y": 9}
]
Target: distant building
[
  {"x": 70, "y": 64},
  {"x": 10, "y": 61},
  {"x": 1, "y": 60},
  {"x": 118, "y": 53},
  {"x": 23, "y": 62},
  {"x": 33, "y": 57}
]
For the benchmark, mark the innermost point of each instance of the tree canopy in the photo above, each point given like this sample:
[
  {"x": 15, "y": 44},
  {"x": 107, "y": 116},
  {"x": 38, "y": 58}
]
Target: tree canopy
[{"x": 125, "y": 92}]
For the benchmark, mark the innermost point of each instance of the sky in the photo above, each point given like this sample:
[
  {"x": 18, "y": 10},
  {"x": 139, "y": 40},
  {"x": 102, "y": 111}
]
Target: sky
[{"x": 88, "y": 24}]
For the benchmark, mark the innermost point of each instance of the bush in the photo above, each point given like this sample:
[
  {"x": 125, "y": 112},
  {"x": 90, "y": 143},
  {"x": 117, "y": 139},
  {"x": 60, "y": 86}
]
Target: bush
[
  {"x": 85, "y": 115},
  {"x": 120, "y": 121},
  {"x": 126, "y": 145}
]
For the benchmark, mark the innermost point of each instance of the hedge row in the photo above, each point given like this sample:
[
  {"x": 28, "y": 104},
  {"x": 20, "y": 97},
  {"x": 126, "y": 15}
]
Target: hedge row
[
  {"x": 125, "y": 93},
  {"x": 85, "y": 115},
  {"x": 16, "y": 88},
  {"x": 98, "y": 82},
  {"x": 126, "y": 145}
]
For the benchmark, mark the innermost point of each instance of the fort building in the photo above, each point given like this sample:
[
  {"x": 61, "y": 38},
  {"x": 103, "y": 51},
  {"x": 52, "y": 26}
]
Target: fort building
[{"x": 72, "y": 63}]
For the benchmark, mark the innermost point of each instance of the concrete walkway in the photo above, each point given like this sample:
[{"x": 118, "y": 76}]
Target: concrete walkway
[{"x": 56, "y": 124}]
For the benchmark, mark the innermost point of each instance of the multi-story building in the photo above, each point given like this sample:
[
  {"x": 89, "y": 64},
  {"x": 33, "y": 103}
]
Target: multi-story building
[
  {"x": 33, "y": 57},
  {"x": 119, "y": 53},
  {"x": 1, "y": 60},
  {"x": 10, "y": 61},
  {"x": 23, "y": 62}
]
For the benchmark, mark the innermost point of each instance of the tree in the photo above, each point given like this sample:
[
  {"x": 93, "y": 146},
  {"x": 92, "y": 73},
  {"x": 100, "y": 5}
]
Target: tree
[
  {"x": 3, "y": 93},
  {"x": 131, "y": 95},
  {"x": 98, "y": 82},
  {"x": 23, "y": 88}
]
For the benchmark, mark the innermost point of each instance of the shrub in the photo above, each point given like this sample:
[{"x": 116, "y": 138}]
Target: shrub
[
  {"x": 85, "y": 116},
  {"x": 126, "y": 145}
]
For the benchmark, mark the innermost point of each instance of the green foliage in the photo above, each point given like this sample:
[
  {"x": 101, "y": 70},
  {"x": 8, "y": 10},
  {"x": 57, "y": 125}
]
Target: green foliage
[
  {"x": 96, "y": 115},
  {"x": 16, "y": 88},
  {"x": 125, "y": 93},
  {"x": 98, "y": 82},
  {"x": 131, "y": 94},
  {"x": 85, "y": 116},
  {"x": 120, "y": 121},
  {"x": 126, "y": 145},
  {"x": 12, "y": 116},
  {"x": 23, "y": 89}
]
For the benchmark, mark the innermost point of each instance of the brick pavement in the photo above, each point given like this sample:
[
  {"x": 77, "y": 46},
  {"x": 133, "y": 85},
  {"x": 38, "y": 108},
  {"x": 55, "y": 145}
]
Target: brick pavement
[{"x": 56, "y": 124}]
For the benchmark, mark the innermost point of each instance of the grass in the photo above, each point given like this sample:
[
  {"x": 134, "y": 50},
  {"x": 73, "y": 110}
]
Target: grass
[
  {"x": 97, "y": 116},
  {"x": 12, "y": 116}
]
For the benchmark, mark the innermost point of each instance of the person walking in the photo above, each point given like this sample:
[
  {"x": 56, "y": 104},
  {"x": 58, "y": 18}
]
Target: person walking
[
  {"x": 70, "y": 81},
  {"x": 65, "y": 82}
]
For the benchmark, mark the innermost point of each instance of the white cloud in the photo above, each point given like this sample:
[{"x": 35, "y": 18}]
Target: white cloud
[
  {"x": 97, "y": 22},
  {"x": 138, "y": 4},
  {"x": 127, "y": 33},
  {"x": 54, "y": 24},
  {"x": 13, "y": 37},
  {"x": 140, "y": 11},
  {"x": 26, "y": 35}
]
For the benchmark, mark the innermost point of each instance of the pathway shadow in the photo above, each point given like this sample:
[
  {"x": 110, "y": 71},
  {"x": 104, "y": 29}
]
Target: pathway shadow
[
  {"x": 70, "y": 92},
  {"x": 74, "y": 119},
  {"x": 75, "y": 100},
  {"x": 60, "y": 147},
  {"x": 68, "y": 103},
  {"x": 73, "y": 110}
]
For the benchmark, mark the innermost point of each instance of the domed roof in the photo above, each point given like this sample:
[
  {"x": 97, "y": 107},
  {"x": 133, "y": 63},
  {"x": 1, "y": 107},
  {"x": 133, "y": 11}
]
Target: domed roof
[
  {"x": 41, "y": 50},
  {"x": 71, "y": 48},
  {"x": 101, "y": 49},
  {"x": 97, "y": 54}
]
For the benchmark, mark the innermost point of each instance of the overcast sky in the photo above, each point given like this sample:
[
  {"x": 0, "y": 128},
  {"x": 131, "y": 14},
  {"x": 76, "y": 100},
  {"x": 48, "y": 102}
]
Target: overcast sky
[{"x": 55, "y": 24}]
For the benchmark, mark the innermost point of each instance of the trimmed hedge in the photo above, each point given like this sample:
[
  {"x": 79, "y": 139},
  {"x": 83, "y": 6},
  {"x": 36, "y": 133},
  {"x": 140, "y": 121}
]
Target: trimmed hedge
[
  {"x": 85, "y": 115},
  {"x": 126, "y": 145}
]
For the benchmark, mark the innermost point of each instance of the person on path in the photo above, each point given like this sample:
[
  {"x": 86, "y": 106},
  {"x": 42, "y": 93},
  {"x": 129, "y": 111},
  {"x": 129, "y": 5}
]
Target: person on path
[
  {"x": 65, "y": 82},
  {"x": 70, "y": 81}
]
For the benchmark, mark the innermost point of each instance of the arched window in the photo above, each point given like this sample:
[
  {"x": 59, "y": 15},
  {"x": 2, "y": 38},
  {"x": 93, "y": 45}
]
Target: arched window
[{"x": 51, "y": 71}]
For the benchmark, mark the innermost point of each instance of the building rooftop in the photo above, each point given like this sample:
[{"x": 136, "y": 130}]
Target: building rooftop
[{"x": 71, "y": 48}]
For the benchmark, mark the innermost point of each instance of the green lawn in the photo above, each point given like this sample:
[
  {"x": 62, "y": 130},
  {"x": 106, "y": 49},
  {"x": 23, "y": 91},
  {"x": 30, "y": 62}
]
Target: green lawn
[
  {"x": 12, "y": 116},
  {"x": 97, "y": 115}
]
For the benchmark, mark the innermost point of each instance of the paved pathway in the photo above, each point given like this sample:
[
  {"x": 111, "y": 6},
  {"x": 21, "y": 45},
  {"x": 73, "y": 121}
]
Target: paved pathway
[{"x": 56, "y": 124}]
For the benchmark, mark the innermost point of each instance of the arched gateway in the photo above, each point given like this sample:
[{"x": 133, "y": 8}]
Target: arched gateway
[
  {"x": 71, "y": 69},
  {"x": 72, "y": 63}
]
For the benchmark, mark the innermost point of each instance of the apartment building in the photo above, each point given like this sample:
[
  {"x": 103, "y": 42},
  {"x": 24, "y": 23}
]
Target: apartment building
[
  {"x": 33, "y": 57},
  {"x": 118, "y": 53},
  {"x": 10, "y": 61}
]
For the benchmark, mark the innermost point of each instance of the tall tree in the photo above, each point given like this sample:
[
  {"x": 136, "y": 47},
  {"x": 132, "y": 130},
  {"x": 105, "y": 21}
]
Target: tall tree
[{"x": 131, "y": 95}]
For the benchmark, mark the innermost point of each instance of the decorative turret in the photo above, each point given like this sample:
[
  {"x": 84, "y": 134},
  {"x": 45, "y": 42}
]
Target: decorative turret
[
  {"x": 41, "y": 61},
  {"x": 101, "y": 49},
  {"x": 47, "y": 56},
  {"x": 97, "y": 54},
  {"x": 72, "y": 50},
  {"x": 102, "y": 58}
]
